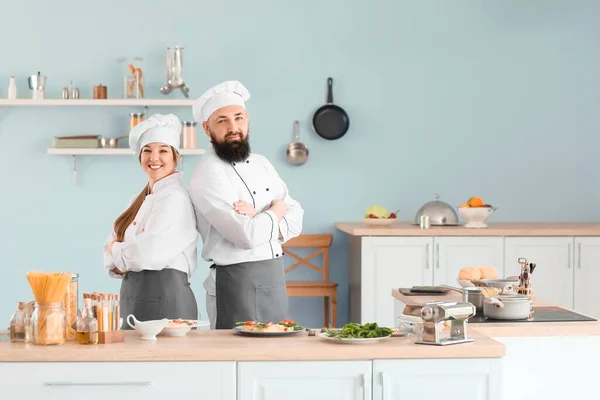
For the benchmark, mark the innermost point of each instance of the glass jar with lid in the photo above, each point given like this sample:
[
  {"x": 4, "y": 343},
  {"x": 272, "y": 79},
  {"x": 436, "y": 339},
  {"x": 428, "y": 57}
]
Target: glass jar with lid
[
  {"x": 188, "y": 135},
  {"x": 135, "y": 118},
  {"x": 71, "y": 304}
]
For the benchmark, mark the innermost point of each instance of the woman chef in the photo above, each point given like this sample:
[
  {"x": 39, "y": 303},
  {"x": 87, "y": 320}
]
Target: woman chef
[{"x": 153, "y": 246}]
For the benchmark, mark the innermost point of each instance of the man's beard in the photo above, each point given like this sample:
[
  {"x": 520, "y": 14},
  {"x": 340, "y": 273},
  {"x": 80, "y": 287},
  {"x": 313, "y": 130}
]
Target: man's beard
[{"x": 232, "y": 152}]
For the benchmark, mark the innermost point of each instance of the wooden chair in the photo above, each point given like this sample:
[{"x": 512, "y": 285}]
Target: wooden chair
[{"x": 322, "y": 288}]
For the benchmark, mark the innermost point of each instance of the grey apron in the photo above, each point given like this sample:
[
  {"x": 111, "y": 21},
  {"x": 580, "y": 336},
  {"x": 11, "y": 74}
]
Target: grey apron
[
  {"x": 150, "y": 295},
  {"x": 251, "y": 291}
]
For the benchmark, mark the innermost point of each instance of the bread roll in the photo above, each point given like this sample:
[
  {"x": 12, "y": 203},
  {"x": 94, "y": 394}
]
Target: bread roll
[
  {"x": 488, "y": 272},
  {"x": 469, "y": 273}
]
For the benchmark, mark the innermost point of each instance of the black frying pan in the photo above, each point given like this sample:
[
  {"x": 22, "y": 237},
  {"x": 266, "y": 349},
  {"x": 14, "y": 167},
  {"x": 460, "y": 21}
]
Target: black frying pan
[{"x": 330, "y": 121}]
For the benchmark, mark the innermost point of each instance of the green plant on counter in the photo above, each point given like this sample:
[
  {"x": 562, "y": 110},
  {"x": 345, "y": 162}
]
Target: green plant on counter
[{"x": 358, "y": 331}]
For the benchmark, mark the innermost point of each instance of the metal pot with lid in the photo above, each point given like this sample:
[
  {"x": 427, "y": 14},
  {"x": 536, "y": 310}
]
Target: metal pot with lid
[{"x": 440, "y": 213}]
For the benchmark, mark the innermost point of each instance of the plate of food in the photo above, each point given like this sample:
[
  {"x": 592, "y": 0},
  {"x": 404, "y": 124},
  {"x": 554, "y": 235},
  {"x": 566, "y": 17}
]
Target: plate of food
[
  {"x": 285, "y": 327},
  {"x": 354, "y": 333},
  {"x": 180, "y": 326}
]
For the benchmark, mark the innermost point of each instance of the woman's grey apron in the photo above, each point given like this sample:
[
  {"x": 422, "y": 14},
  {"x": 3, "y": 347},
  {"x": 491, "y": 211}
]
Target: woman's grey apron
[
  {"x": 150, "y": 295},
  {"x": 251, "y": 291}
]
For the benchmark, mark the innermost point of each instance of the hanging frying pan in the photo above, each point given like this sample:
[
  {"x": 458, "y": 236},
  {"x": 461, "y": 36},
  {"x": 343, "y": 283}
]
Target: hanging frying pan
[{"x": 330, "y": 121}]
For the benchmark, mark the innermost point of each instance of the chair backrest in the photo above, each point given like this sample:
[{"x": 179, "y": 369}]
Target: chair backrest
[{"x": 322, "y": 242}]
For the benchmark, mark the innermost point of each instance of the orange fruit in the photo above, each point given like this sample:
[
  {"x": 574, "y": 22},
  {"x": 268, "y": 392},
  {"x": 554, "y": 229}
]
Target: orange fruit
[
  {"x": 464, "y": 205},
  {"x": 475, "y": 202}
]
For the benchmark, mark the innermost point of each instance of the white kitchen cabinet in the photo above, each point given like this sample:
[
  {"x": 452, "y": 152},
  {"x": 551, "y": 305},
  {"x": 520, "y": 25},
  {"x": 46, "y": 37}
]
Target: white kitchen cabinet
[
  {"x": 587, "y": 276},
  {"x": 453, "y": 253},
  {"x": 380, "y": 264},
  {"x": 301, "y": 380},
  {"x": 448, "y": 379},
  {"x": 118, "y": 380},
  {"x": 553, "y": 276}
]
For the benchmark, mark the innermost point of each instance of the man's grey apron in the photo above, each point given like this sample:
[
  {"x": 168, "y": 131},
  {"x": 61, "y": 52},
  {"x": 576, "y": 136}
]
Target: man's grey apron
[
  {"x": 251, "y": 291},
  {"x": 150, "y": 295}
]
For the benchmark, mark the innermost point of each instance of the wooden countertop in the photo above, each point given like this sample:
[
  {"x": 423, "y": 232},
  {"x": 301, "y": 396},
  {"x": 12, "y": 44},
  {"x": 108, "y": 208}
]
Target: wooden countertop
[
  {"x": 494, "y": 229},
  {"x": 514, "y": 329},
  {"x": 212, "y": 345}
]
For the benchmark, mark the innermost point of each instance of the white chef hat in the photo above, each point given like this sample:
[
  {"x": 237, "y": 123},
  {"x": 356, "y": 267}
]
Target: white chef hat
[
  {"x": 224, "y": 94},
  {"x": 158, "y": 128}
]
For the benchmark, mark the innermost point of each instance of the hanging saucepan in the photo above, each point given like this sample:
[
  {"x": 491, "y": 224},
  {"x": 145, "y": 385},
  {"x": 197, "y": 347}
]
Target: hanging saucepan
[
  {"x": 330, "y": 121},
  {"x": 297, "y": 152}
]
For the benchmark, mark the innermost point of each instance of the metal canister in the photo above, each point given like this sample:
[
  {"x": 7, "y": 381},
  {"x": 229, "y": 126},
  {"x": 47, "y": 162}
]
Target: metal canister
[
  {"x": 100, "y": 92},
  {"x": 189, "y": 135},
  {"x": 135, "y": 118}
]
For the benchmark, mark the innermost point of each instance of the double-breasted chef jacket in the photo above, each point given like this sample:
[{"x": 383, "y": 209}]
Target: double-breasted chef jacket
[
  {"x": 228, "y": 237},
  {"x": 162, "y": 235}
]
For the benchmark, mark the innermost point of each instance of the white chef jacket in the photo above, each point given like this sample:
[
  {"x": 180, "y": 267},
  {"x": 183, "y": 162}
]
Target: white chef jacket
[
  {"x": 162, "y": 235},
  {"x": 231, "y": 238}
]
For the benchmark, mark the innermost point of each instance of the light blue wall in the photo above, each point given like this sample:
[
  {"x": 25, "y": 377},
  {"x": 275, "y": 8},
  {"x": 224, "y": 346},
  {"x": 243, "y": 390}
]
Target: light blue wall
[{"x": 496, "y": 98}]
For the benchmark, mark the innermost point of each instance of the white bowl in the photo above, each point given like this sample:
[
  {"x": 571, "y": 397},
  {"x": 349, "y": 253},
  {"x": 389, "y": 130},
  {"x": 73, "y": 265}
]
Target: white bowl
[
  {"x": 379, "y": 221},
  {"x": 147, "y": 329},
  {"x": 175, "y": 329},
  {"x": 476, "y": 216}
]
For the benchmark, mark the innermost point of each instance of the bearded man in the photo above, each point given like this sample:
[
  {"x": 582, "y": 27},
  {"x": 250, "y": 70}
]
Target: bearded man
[{"x": 244, "y": 214}]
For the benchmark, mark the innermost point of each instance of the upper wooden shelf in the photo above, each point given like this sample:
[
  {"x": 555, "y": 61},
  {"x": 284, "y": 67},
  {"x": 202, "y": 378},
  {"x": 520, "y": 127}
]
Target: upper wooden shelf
[
  {"x": 97, "y": 102},
  {"x": 113, "y": 152}
]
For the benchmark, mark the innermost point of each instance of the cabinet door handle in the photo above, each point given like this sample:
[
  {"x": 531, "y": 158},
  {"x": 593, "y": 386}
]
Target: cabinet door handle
[
  {"x": 123, "y": 383},
  {"x": 427, "y": 256},
  {"x": 437, "y": 257},
  {"x": 366, "y": 391},
  {"x": 385, "y": 386},
  {"x": 579, "y": 255},
  {"x": 569, "y": 263}
]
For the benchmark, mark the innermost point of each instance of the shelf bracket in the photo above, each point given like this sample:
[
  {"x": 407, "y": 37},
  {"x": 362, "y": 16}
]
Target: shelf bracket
[{"x": 74, "y": 170}]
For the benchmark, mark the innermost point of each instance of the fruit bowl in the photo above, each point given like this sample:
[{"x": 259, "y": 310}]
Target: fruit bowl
[
  {"x": 379, "y": 216},
  {"x": 379, "y": 221},
  {"x": 476, "y": 216}
]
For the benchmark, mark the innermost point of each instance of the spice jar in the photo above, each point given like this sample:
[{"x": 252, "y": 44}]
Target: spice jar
[
  {"x": 17, "y": 324},
  {"x": 189, "y": 135},
  {"x": 135, "y": 118},
  {"x": 71, "y": 305},
  {"x": 48, "y": 324}
]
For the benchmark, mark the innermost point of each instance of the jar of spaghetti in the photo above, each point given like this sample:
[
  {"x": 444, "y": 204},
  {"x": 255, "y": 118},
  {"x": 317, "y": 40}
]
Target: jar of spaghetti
[
  {"x": 135, "y": 118},
  {"x": 71, "y": 307},
  {"x": 48, "y": 324}
]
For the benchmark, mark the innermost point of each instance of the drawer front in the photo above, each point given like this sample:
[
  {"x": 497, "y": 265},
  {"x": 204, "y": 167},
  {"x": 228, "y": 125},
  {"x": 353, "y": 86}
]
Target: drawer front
[{"x": 99, "y": 380}]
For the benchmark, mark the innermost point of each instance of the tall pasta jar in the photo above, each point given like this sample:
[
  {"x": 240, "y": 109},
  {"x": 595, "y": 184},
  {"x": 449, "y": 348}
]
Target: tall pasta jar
[
  {"x": 71, "y": 305},
  {"x": 48, "y": 324}
]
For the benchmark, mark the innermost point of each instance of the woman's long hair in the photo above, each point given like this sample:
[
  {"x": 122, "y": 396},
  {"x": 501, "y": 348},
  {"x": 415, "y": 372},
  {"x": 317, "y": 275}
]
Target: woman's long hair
[{"x": 125, "y": 219}]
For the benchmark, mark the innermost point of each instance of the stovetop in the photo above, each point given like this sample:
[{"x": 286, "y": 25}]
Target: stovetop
[{"x": 540, "y": 314}]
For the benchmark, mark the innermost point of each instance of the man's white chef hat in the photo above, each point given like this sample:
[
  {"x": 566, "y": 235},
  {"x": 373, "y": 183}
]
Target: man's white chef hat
[
  {"x": 224, "y": 94},
  {"x": 158, "y": 128}
]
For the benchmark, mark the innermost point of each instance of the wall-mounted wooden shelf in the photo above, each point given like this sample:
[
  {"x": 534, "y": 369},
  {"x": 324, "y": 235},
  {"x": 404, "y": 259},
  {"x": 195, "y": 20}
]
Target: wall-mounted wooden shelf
[
  {"x": 97, "y": 102},
  {"x": 113, "y": 152}
]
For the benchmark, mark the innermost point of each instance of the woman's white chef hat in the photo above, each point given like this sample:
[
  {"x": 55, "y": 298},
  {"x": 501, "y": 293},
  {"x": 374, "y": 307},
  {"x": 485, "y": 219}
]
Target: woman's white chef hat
[
  {"x": 224, "y": 94},
  {"x": 158, "y": 128}
]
